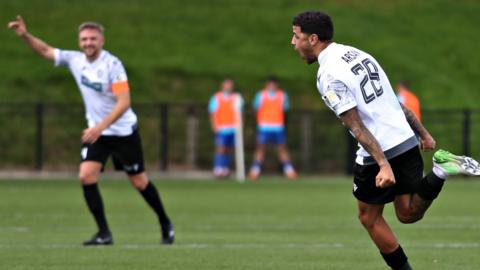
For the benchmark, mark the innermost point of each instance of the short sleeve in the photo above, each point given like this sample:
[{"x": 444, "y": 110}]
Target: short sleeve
[
  {"x": 118, "y": 77},
  {"x": 117, "y": 72},
  {"x": 212, "y": 105},
  {"x": 401, "y": 99},
  {"x": 338, "y": 97},
  {"x": 257, "y": 100},
  {"x": 63, "y": 57},
  {"x": 286, "y": 102},
  {"x": 241, "y": 103}
]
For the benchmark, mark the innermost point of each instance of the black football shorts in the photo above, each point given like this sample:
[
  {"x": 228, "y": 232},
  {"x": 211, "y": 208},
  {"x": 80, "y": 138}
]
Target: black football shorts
[
  {"x": 408, "y": 171},
  {"x": 126, "y": 152}
]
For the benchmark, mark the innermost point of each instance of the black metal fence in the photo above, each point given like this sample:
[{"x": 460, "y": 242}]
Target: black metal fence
[{"x": 46, "y": 136}]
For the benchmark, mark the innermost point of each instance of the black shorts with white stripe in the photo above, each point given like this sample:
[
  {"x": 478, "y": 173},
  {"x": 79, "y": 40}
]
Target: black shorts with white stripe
[{"x": 126, "y": 152}]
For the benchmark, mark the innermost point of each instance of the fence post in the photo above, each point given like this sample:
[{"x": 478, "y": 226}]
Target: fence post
[
  {"x": 163, "y": 137},
  {"x": 467, "y": 117},
  {"x": 306, "y": 142},
  {"x": 191, "y": 143},
  {"x": 39, "y": 136}
]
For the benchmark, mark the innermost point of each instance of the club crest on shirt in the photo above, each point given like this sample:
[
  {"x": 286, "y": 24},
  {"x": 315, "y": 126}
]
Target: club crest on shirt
[{"x": 120, "y": 77}]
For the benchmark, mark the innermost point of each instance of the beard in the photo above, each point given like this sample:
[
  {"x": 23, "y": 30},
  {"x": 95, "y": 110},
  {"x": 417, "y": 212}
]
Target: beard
[
  {"x": 310, "y": 59},
  {"x": 90, "y": 51},
  {"x": 308, "y": 55}
]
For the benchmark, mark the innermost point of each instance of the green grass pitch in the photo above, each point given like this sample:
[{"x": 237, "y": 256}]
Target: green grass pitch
[{"x": 272, "y": 224}]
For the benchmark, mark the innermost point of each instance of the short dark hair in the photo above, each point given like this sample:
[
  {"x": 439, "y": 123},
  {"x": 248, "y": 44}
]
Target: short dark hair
[
  {"x": 315, "y": 22},
  {"x": 272, "y": 78},
  {"x": 404, "y": 83}
]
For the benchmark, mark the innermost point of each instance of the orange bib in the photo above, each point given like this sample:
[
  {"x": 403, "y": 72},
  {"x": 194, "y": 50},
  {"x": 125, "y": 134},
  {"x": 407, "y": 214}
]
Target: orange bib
[{"x": 271, "y": 110}]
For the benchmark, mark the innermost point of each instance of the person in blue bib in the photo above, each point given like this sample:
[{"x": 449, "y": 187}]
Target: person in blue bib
[{"x": 224, "y": 107}]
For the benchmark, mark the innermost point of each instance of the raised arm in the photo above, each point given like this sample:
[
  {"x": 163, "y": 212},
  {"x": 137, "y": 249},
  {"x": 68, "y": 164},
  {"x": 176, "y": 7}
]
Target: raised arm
[
  {"x": 37, "y": 45},
  {"x": 352, "y": 121},
  {"x": 426, "y": 140}
]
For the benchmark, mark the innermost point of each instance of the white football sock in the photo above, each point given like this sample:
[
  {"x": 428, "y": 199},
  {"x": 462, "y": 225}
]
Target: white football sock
[{"x": 439, "y": 172}]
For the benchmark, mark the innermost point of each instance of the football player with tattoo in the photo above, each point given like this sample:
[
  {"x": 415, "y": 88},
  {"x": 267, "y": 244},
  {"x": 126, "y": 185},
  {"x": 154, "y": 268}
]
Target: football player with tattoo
[{"x": 389, "y": 165}]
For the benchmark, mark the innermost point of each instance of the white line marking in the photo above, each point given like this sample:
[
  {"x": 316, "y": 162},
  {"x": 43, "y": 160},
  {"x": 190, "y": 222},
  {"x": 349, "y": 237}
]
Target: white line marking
[
  {"x": 238, "y": 246},
  {"x": 14, "y": 229}
]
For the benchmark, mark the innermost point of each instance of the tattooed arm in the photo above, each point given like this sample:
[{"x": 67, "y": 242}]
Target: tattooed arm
[
  {"x": 426, "y": 140},
  {"x": 352, "y": 121}
]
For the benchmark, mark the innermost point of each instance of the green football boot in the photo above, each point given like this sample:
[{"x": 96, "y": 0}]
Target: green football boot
[{"x": 455, "y": 165}]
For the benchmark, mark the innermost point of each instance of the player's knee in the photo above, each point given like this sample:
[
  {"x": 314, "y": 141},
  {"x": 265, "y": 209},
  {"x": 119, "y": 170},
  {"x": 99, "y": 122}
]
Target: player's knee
[
  {"x": 368, "y": 221},
  {"x": 139, "y": 182},
  {"x": 87, "y": 178},
  {"x": 408, "y": 219},
  {"x": 261, "y": 148}
]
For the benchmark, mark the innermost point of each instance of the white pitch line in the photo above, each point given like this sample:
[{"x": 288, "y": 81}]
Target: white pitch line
[
  {"x": 184, "y": 246},
  {"x": 14, "y": 229},
  {"x": 448, "y": 245},
  {"x": 193, "y": 246},
  {"x": 442, "y": 226}
]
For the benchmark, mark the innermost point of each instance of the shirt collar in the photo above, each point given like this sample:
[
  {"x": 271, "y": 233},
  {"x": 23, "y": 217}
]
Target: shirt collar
[
  {"x": 100, "y": 56},
  {"x": 226, "y": 93},
  {"x": 322, "y": 57}
]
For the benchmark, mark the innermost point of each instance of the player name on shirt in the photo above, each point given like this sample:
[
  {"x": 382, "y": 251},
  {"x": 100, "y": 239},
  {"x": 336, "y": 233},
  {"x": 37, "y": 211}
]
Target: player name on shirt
[
  {"x": 350, "y": 78},
  {"x": 350, "y": 56}
]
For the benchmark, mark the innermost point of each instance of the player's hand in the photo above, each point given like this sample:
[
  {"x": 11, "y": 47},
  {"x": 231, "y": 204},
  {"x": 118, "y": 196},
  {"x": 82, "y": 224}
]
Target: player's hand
[
  {"x": 427, "y": 143},
  {"x": 385, "y": 177},
  {"x": 18, "y": 25},
  {"x": 91, "y": 135}
]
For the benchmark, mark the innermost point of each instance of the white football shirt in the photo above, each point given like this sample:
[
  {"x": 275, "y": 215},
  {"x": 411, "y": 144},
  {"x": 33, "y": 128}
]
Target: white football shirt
[
  {"x": 349, "y": 78},
  {"x": 97, "y": 81}
]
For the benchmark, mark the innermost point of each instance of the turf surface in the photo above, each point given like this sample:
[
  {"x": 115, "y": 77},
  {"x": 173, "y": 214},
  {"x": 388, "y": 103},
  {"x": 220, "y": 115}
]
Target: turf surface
[{"x": 223, "y": 225}]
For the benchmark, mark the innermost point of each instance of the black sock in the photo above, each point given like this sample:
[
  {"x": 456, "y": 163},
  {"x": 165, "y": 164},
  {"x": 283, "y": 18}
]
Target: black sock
[
  {"x": 430, "y": 186},
  {"x": 150, "y": 194},
  {"x": 397, "y": 260},
  {"x": 95, "y": 204}
]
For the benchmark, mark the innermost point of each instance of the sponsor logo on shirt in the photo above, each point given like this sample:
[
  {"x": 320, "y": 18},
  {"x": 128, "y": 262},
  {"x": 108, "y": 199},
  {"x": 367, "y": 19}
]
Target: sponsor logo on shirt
[{"x": 96, "y": 86}]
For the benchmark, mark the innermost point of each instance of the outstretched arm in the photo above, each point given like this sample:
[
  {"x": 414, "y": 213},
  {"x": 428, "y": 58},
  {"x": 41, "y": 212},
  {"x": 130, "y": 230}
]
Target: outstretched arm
[
  {"x": 426, "y": 140},
  {"x": 352, "y": 121},
  {"x": 37, "y": 45}
]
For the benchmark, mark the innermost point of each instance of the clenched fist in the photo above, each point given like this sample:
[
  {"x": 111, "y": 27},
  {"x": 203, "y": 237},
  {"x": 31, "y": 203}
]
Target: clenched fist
[{"x": 385, "y": 177}]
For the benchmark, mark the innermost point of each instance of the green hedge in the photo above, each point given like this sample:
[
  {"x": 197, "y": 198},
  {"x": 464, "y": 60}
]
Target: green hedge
[{"x": 179, "y": 50}]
